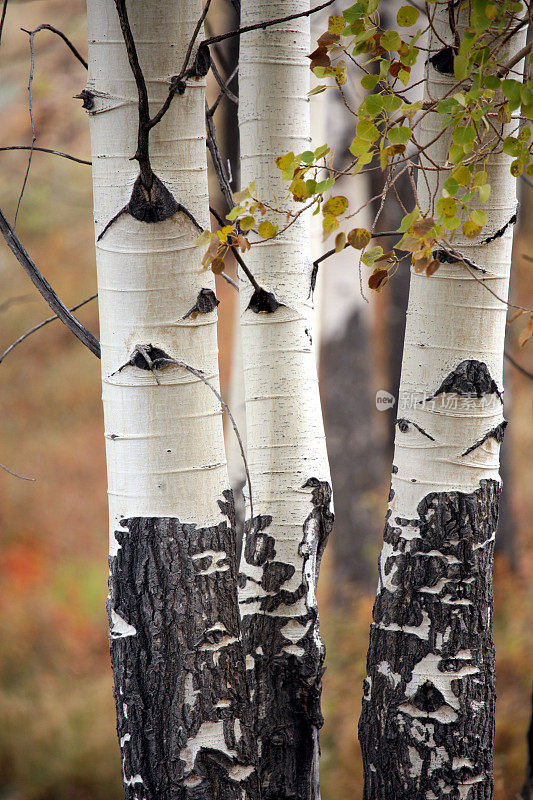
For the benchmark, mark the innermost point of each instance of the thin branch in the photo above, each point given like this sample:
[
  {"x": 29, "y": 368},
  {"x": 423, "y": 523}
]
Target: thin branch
[
  {"x": 518, "y": 366},
  {"x": 236, "y": 253},
  {"x": 22, "y": 477},
  {"x": 32, "y": 122},
  {"x": 225, "y": 406},
  {"x": 141, "y": 154},
  {"x": 177, "y": 81},
  {"x": 262, "y": 25},
  {"x": 67, "y": 41},
  {"x": 41, "y": 325},
  {"x": 79, "y": 330},
  {"x": 526, "y": 50},
  {"x": 46, "y": 150},
  {"x": 216, "y": 157},
  {"x": 2, "y": 19},
  {"x": 224, "y": 88}
]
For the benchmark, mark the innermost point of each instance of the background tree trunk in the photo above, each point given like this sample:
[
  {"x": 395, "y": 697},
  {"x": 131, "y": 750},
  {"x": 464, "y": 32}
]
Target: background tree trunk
[
  {"x": 180, "y": 686},
  {"x": 427, "y": 723},
  {"x": 286, "y": 445}
]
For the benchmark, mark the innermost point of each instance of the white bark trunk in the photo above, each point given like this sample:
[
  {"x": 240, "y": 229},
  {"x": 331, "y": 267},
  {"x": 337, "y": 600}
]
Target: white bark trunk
[
  {"x": 286, "y": 445},
  {"x": 428, "y": 711},
  {"x": 172, "y": 576}
]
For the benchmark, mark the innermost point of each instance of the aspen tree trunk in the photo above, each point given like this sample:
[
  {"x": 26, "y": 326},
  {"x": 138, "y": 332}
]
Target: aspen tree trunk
[
  {"x": 179, "y": 677},
  {"x": 427, "y": 723},
  {"x": 285, "y": 437}
]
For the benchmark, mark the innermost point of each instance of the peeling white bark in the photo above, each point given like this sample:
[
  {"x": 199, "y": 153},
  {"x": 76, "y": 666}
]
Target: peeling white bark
[
  {"x": 165, "y": 450},
  {"x": 285, "y": 436},
  {"x": 436, "y": 560}
]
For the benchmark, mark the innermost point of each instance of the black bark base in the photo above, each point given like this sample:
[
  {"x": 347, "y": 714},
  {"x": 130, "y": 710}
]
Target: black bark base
[
  {"x": 427, "y": 723},
  {"x": 179, "y": 676}
]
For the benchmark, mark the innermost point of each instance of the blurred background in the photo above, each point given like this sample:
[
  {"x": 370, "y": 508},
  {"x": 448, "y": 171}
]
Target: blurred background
[{"x": 57, "y": 728}]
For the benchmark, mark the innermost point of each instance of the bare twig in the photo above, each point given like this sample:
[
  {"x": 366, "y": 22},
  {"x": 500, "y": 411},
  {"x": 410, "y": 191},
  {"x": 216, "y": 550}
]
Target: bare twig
[
  {"x": 156, "y": 359},
  {"x": 262, "y": 25},
  {"x": 46, "y": 150},
  {"x": 22, "y": 477},
  {"x": 3, "y": 18},
  {"x": 224, "y": 88},
  {"x": 216, "y": 157},
  {"x": 32, "y": 122},
  {"x": 67, "y": 41},
  {"x": 41, "y": 325},
  {"x": 79, "y": 330},
  {"x": 225, "y": 406}
]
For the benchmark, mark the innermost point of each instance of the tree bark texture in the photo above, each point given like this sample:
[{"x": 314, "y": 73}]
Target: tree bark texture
[
  {"x": 427, "y": 723},
  {"x": 179, "y": 671},
  {"x": 285, "y": 438}
]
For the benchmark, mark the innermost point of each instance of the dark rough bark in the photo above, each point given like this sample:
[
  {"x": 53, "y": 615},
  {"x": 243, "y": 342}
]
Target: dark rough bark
[
  {"x": 177, "y": 661},
  {"x": 431, "y": 737},
  {"x": 284, "y": 674}
]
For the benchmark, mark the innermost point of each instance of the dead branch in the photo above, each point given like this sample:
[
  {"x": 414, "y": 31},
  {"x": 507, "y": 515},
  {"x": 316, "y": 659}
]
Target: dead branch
[{"x": 17, "y": 248}]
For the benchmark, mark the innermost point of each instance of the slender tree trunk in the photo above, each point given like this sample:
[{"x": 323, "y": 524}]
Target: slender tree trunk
[
  {"x": 179, "y": 678},
  {"x": 286, "y": 446},
  {"x": 427, "y": 723}
]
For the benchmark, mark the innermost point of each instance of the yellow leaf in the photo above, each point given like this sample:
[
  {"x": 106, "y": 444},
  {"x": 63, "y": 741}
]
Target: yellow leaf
[
  {"x": 359, "y": 238},
  {"x": 203, "y": 239},
  {"x": 336, "y": 205},
  {"x": 247, "y": 223},
  {"x": 329, "y": 223},
  {"x": 340, "y": 241},
  {"x": 267, "y": 229},
  {"x": 336, "y": 24}
]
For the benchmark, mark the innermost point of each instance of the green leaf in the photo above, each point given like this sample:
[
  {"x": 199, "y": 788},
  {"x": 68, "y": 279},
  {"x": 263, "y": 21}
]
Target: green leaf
[
  {"x": 478, "y": 217},
  {"x": 391, "y": 102},
  {"x": 374, "y": 104},
  {"x": 451, "y": 186},
  {"x": 317, "y": 90},
  {"x": 399, "y": 135},
  {"x": 484, "y": 193},
  {"x": 308, "y": 157},
  {"x": 460, "y": 67},
  {"x": 511, "y": 146},
  {"x": 367, "y": 130},
  {"x": 456, "y": 153},
  {"x": 407, "y": 16},
  {"x": 462, "y": 175},
  {"x": 203, "y": 239},
  {"x": 359, "y": 146},
  {"x": 371, "y": 255},
  {"x": 247, "y": 223},
  {"x": 321, "y": 151},
  {"x": 447, "y": 206},
  {"x": 390, "y": 40},
  {"x": 451, "y": 223},
  {"x": 369, "y": 82},
  {"x": 323, "y": 186}
]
